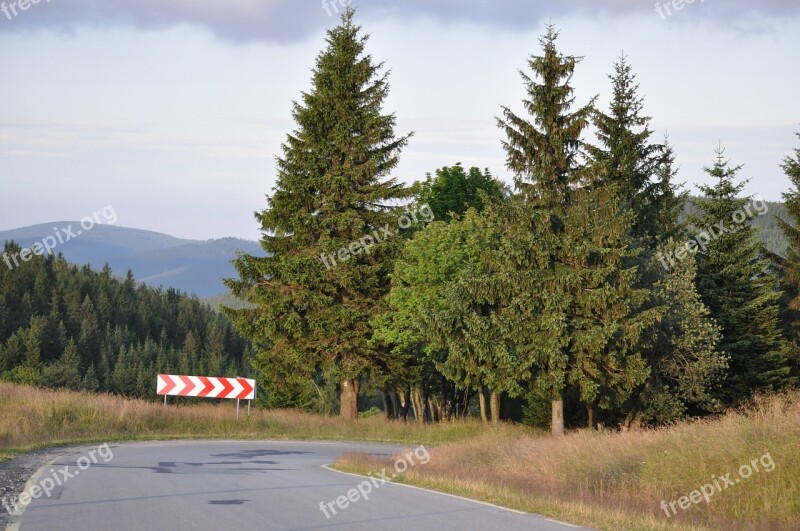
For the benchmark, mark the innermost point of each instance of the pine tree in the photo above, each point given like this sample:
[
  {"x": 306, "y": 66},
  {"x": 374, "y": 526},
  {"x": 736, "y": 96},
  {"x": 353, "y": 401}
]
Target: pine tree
[
  {"x": 319, "y": 286},
  {"x": 735, "y": 283}
]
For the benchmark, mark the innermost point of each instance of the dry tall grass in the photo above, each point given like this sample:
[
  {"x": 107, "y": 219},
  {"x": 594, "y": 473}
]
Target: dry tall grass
[
  {"x": 618, "y": 480},
  {"x": 33, "y": 418}
]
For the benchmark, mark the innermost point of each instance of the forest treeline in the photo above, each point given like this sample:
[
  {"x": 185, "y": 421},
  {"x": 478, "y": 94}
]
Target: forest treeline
[
  {"x": 69, "y": 326},
  {"x": 585, "y": 294}
]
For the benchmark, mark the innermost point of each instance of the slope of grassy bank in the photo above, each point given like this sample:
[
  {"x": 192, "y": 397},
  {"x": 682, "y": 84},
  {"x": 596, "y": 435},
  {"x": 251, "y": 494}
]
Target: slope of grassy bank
[
  {"x": 619, "y": 480},
  {"x": 34, "y": 418}
]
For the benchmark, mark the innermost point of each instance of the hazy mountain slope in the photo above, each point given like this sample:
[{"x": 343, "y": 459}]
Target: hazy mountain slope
[
  {"x": 767, "y": 225},
  {"x": 157, "y": 259}
]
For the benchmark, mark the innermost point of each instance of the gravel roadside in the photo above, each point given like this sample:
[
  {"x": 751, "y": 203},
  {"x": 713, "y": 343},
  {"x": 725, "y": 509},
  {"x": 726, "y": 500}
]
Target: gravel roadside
[{"x": 14, "y": 473}]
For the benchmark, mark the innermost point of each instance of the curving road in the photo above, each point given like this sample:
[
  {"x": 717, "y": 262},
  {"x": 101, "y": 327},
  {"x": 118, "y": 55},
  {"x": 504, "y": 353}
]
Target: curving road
[{"x": 243, "y": 485}]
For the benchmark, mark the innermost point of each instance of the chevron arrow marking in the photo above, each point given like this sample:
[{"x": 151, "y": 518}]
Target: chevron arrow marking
[{"x": 206, "y": 386}]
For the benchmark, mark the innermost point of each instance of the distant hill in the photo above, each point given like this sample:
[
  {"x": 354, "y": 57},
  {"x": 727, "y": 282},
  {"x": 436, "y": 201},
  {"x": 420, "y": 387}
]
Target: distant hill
[
  {"x": 192, "y": 266},
  {"x": 767, "y": 225}
]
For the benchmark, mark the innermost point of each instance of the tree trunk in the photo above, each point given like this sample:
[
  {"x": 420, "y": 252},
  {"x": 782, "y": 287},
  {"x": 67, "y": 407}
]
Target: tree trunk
[
  {"x": 404, "y": 403},
  {"x": 590, "y": 414},
  {"x": 494, "y": 403},
  {"x": 348, "y": 409},
  {"x": 418, "y": 404},
  {"x": 482, "y": 400},
  {"x": 557, "y": 422},
  {"x": 445, "y": 409},
  {"x": 388, "y": 407},
  {"x": 436, "y": 411},
  {"x": 395, "y": 400},
  {"x": 427, "y": 412}
]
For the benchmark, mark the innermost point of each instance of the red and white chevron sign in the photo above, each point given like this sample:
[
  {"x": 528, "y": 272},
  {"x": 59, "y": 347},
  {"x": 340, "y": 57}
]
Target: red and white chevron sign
[{"x": 206, "y": 386}]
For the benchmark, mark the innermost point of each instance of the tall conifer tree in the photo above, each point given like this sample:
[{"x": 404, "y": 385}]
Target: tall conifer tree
[
  {"x": 735, "y": 283},
  {"x": 578, "y": 249},
  {"x": 544, "y": 151},
  {"x": 630, "y": 160},
  {"x": 791, "y": 277},
  {"x": 313, "y": 301}
]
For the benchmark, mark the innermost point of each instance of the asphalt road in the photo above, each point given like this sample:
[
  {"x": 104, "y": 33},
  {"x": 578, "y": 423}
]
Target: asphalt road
[{"x": 216, "y": 485}]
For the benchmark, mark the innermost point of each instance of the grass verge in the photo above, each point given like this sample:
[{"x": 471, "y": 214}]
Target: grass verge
[
  {"x": 32, "y": 418},
  {"x": 619, "y": 480}
]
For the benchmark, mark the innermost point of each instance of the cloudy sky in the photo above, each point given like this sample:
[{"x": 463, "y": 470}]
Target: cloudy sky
[{"x": 173, "y": 111}]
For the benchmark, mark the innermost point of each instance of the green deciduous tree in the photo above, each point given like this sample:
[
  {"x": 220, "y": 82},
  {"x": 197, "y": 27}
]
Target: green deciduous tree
[{"x": 453, "y": 190}]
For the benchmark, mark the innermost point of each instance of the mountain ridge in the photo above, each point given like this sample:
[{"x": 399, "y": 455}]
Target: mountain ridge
[{"x": 157, "y": 259}]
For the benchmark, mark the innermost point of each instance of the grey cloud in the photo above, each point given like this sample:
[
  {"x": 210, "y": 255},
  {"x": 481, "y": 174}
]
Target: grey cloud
[{"x": 293, "y": 20}]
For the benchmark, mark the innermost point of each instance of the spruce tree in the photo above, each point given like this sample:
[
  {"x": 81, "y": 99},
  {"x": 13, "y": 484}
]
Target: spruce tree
[
  {"x": 606, "y": 316},
  {"x": 629, "y": 158},
  {"x": 681, "y": 348},
  {"x": 543, "y": 150},
  {"x": 70, "y": 364},
  {"x": 577, "y": 251},
  {"x": 686, "y": 365},
  {"x": 735, "y": 283},
  {"x": 669, "y": 199},
  {"x": 320, "y": 283},
  {"x": 791, "y": 270}
]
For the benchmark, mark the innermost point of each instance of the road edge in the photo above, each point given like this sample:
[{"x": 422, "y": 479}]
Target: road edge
[
  {"x": 481, "y": 502},
  {"x": 32, "y": 481}
]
